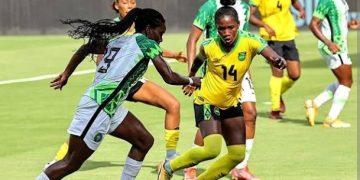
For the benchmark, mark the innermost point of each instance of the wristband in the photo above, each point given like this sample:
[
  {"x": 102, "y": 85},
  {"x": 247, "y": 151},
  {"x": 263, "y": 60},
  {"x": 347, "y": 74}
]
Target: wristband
[{"x": 191, "y": 82}]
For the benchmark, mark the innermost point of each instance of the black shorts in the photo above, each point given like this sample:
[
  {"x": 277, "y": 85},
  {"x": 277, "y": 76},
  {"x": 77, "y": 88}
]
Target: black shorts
[
  {"x": 205, "y": 112},
  {"x": 285, "y": 49},
  {"x": 133, "y": 90}
]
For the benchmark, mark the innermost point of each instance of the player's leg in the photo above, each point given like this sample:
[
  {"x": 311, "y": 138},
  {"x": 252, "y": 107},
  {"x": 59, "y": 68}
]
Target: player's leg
[
  {"x": 233, "y": 129},
  {"x": 133, "y": 131},
  {"x": 275, "y": 83},
  {"x": 248, "y": 104},
  {"x": 290, "y": 53},
  {"x": 343, "y": 73},
  {"x": 152, "y": 94},
  {"x": 211, "y": 131},
  {"x": 311, "y": 106},
  {"x": 78, "y": 152},
  {"x": 190, "y": 172}
]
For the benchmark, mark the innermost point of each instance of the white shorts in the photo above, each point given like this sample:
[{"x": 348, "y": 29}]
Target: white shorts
[
  {"x": 247, "y": 88},
  {"x": 101, "y": 126},
  {"x": 336, "y": 60}
]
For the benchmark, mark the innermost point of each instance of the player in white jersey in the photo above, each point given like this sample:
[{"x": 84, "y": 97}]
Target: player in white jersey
[
  {"x": 100, "y": 110},
  {"x": 205, "y": 21},
  {"x": 329, "y": 24}
]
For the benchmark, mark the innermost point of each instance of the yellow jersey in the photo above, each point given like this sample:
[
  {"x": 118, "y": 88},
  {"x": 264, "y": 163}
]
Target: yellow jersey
[
  {"x": 221, "y": 84},
  {"x": 276, "y": 14}
]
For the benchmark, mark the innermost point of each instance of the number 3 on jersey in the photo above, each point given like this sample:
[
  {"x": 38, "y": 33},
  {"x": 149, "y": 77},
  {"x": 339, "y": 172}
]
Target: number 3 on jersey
[
  {"x": 232, "y": 72},
  {"x": 108, "y": 58}
]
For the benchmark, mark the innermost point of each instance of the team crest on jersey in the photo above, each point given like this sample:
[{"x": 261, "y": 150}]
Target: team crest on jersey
[{"x": 242, "y": 56}]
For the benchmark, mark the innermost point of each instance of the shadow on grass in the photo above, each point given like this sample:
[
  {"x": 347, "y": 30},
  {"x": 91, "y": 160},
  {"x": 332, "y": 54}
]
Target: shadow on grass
[
  {"x": 286, "y": 119},
  {"x": 90, "y": 165}
]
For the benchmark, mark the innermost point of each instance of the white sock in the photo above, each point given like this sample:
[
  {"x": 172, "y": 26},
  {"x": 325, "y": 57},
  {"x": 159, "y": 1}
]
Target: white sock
[
  {"x": 326, "y": 95},
  {"x": 42, "y": 176},
  {"x": 131, "y": 169},
  {"x": 249, "y": 145},
  {"x": 340, "y": 97}
]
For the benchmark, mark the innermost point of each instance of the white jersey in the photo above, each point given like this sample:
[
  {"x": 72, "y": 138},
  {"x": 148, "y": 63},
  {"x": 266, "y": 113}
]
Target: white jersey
[{"x": 125, "y": 61}]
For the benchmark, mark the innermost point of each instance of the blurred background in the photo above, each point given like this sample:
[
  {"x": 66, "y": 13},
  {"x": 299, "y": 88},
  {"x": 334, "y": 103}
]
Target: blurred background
[{"x": 42, "y": 16}]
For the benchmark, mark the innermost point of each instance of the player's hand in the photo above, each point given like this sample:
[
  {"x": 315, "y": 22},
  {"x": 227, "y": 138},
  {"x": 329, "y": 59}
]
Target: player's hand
[
  {"x": 196, "y": 81},
  {"x": 180, "y": 57},
  {"x": 59, "y": 81},
  {"x": 270, "y": 31},
  {"x": 188, "y": 90},
  {"x": 279, "y": 63},
  {"x": 302, "y": 14},
  {"x": 334, "y": 48}
]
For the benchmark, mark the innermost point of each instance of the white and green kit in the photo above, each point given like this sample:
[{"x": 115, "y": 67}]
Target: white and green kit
[
  {"x": 334, "y": 16},
  {"x": 125, "y": 61}
]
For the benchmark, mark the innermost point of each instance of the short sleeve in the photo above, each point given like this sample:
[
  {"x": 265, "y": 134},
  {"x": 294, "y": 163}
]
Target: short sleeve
[
  {"x": 149, "y": 48},
  {"x": 322, "y": 9},
  {"x": 257, "y": 43}
]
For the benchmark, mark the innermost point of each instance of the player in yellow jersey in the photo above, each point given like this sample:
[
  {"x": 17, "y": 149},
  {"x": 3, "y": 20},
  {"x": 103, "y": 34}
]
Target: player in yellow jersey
[
  {"x": 218, "y": 112},
  {"x": 278, "y": 27}
]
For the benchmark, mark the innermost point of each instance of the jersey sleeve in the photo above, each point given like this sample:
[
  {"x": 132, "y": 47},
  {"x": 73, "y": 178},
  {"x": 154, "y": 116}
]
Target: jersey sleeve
[
  {"x": 322, "y": 9},
  {"x": 254, "y": 2},
  {"x": 257, "y": 43},
  {"x": 204, "y": 14},
  {"x": 149, "y": 48}
]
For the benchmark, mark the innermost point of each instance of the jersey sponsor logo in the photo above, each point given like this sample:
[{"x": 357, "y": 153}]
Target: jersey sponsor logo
[
  {"x": 98, "y": 137},
  {"x": 242, "y": 56}
]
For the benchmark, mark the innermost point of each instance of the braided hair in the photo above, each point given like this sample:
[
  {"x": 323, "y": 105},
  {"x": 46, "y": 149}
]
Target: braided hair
[
  {"x": 227, "y": 2},
  {"x": 105, "y": 29}
]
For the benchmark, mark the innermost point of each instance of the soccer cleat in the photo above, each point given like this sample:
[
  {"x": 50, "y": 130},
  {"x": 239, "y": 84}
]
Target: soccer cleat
[
  {"x": 311, "y": 111},
  {"x": 275, "y": 115},
  {"x": 242, "y": 174},
  {"x": 162, "y": 173},
  {"x": 282, "y": 105},
  {"x": 336, "y": 123},
  {"x": 190, "y": 173}
]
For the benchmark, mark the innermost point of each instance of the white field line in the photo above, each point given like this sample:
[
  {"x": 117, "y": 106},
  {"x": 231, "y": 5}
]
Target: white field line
[{"x": 51, "y": 76}]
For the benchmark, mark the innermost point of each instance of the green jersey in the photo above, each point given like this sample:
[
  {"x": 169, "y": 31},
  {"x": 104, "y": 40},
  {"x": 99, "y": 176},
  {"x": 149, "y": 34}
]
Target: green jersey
[
  {"x": 205, "y": 17},
  {"x": 334, "y": 14}
]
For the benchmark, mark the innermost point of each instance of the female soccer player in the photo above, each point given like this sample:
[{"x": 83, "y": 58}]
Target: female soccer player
[
  {"x": 144, "y": 91},
  {"x": 277, "y": 26},
  {"x": 332, "y": 15},
  {"x": 99, "y": 111},
  {"x": 217, "y": 109},
  {"x": 205, "y": 21}
]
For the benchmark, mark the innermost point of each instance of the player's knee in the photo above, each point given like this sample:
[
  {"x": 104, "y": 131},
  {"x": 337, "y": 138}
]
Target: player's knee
[
  {"x": 237, "y": 153},
  {"x": 294, "y": 76},
  {"x": 347, "y": 82},
  {"x": 250, "y": 115},
  {"x": 146, "y": 143},
  {"x": 212, "y": 146},
  {"x": 173, "y": 106}
]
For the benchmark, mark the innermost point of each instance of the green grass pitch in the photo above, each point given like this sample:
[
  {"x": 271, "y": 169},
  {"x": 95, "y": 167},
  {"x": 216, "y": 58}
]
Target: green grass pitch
[{"x": 34, "y": 118}]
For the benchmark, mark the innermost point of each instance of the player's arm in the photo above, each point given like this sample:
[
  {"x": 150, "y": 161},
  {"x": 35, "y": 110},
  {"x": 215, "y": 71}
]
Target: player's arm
[
  {"x": 179, "y": 56},
  {"x": 259, "y": 23},
  {"x": 198, "y": 61},
  {"x": 193, "y": 38},
  {"x": 273, "y": 58},
  {"x": 93, "y": 47},
  {"x": 315, "y": 29},
  {"x": 171, "y": 77},
  {"x": 296, "y": 4}
]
